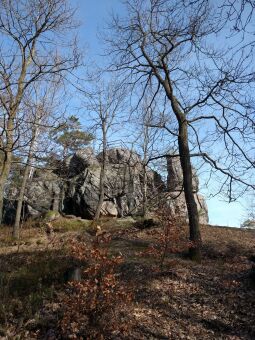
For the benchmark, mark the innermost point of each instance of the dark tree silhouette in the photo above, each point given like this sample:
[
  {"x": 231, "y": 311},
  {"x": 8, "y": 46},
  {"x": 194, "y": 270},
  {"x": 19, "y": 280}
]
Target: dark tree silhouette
[{"x": 177, "y": 51}]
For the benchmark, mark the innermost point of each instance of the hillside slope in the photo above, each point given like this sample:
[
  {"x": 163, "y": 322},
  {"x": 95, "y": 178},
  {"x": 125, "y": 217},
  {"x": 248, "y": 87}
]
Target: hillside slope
[{"x": 182, "y": 300}]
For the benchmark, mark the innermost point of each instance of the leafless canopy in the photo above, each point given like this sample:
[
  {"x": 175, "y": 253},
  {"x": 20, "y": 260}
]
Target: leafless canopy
[
  {"x": 186, "y": 55},
  {"x": 35, "y": 47}
]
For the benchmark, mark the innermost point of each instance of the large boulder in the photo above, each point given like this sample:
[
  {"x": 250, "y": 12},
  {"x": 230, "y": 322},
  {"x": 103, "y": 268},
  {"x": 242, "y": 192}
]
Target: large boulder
[
  {"x": 248, "y": 224},
  {"x": 43, "y": 193},
  {"x": 109, "y": 209},
  {"x": 121, "y": 156},
  {"x": 73, "y": 165},
  {"x": 82, "y": 193},
  {"x": 176, "y": 198},
  {"x": 123, "y": 186}
]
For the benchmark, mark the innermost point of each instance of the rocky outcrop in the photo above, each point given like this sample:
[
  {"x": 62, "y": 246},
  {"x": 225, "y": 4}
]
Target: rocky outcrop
[
  {"x": 248, "y": 224},
  {"x": 175, "y": 177},
  {"x": 175, "y": 196},
  {"x": 43, "y": 193},
  {"x": 77, "y": 163},
  {"x": 74, "y": 188},
  {"x": 123, "y": 186},
  {"x": 176, "y": 201}
]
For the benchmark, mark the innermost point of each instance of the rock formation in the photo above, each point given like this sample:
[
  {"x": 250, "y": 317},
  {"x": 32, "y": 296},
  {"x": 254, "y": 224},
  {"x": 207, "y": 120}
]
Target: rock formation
[
  {"x": 123, "y": 185},
  {"x": 74, "y": 187},
  {"x": 175, "y": 178},
  {"x": 43, "y": 193},
  {"x": 176, "y": 197}
]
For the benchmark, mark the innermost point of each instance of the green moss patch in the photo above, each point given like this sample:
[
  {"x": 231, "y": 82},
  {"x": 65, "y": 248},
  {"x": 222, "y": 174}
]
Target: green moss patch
[{"x": 64, "y": 224}]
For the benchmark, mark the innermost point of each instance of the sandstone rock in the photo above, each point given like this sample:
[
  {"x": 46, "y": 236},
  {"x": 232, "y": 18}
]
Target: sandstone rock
[
  {"x": 123, "y": 186},
  {"x": 176, "y": 201},
  {"x": 121, "y": 156},
  {"x": 175, "y": 178},
  {"x": 42, "y": 193},
  {"x": 202, "y": 209},
  {"x": 248, "y": 224},
  {"x": 109, "y": 209},
  {"x": 82, "y": 194},
  {"x": 77, "y": 163}
]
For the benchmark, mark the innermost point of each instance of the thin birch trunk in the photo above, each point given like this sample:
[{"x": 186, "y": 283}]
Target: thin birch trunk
[
  {"x": 102, "y": 172},
  {"x": 16, "y": 227}
]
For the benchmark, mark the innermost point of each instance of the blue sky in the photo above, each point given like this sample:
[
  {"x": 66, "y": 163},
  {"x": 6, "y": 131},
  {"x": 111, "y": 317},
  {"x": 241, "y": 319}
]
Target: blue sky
[{"x": 93, "y": 16}]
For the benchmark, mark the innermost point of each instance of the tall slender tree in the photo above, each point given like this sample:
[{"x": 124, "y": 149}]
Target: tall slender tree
[
  {"x": 35, "y": 44},
  {"x": 104, "y": 103},
  {"x": 168, "y": 46},
  {"x": 42, "y": 115}
]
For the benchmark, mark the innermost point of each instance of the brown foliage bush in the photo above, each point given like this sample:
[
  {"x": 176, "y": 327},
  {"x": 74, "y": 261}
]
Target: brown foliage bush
[
  {"x": 170, "y": 238},
  {"x": 92, "y": 306}
]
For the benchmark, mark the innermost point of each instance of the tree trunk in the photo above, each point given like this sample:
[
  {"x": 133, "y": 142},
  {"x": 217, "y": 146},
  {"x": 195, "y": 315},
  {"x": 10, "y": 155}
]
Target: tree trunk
[
  {"x": 144, "y": 192},
  {"x": 13, "y": 108},
  {"x": 1, "y": 202},
  {"x": 101, "y": 195},
  {"x": 195, "y": 237},
  {"x": 16, "y": 227},
  {"x": 61, "y": 197},
  {"x": 145, "y": 177},
  {"x": 102, "y": 173},
  {"x": 183, "y": 144},
  {"x": 6, "y": 165},
  {"x": 5, "y": 171}
]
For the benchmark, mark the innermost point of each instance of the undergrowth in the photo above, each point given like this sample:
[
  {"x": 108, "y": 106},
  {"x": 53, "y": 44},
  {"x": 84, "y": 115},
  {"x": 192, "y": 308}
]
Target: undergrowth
[
  {"x": 169, "y": 238},
  {"x": 94, "y": 306}
]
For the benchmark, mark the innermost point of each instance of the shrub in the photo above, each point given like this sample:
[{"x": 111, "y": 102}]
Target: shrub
[
  {"x": 170, "y": 237},
  {"x": 92, "y": 305}
]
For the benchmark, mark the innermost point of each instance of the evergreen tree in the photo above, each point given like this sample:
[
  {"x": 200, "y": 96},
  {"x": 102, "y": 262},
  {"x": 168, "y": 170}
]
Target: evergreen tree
[{"x": 70, "y": 137}]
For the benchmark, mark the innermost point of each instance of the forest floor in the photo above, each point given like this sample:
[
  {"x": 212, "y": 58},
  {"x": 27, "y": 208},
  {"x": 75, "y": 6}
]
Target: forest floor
[{"x": 182, "y": 300}]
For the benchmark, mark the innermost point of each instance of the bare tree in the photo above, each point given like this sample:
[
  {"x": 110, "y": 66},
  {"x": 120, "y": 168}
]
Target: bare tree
[
  {"x": 145, "y": 147},
  {"x": 104, "y": 104},
  {"x": 203, "y": 88},
  {"x": 42, "y": 114},
  {"x": 34, "y": 134},
  {"x": 35, "y": 45},
  {"x": 146, "y": 142}
]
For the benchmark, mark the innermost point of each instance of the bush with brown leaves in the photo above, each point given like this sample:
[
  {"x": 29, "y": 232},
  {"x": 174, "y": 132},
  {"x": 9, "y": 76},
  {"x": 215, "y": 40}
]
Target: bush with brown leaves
[
  {"x": 170, "y": 238},
  {"x": 93, "y": 306}
]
